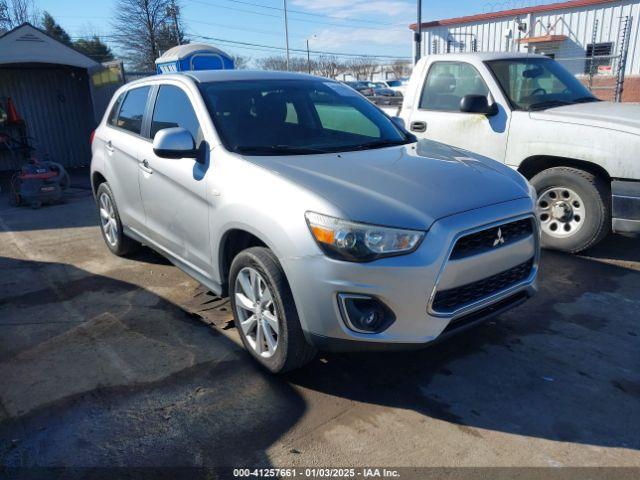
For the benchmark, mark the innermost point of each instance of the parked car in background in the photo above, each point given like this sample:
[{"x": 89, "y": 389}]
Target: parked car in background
[
  {"x": 325, "y": 222},
  {"x": 363, "y": 87},
  {"x": 527, "y": 111},
  {"x": 399, "y": 85},
  {"x": 383, "y": 90}
]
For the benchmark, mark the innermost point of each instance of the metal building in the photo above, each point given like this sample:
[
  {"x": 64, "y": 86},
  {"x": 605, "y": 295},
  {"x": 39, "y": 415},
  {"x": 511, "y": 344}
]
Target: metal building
[
  {"x": 597, "y": 40},
  {"x": 59, "y": 93}
]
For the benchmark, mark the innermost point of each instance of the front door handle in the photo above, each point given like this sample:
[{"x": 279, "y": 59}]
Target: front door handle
[
  {"x": 144, "y": 165},
  {"x": 418, "y": 126}
]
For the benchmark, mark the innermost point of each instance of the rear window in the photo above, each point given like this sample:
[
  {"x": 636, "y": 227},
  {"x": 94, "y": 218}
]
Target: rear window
[
  {"x": 132, "y": 110},
  {"x": 113, "y": 115}
]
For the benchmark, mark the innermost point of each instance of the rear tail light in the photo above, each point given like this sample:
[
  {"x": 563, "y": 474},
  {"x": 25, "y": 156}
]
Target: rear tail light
[{"x": 93, "y": 134}]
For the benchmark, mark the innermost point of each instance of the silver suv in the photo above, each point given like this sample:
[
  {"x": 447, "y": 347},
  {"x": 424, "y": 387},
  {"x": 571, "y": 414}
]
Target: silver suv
[{"x": 323, "y": 220}]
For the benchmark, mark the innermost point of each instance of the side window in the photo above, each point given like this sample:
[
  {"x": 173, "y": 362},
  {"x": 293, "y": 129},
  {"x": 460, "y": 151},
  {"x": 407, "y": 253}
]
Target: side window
[
  {"x": 132, "y": 110},
  {"x": 173, "y": 109},
  {"x": 447, "y": 83},
  {"x": 113, "y": 115}
]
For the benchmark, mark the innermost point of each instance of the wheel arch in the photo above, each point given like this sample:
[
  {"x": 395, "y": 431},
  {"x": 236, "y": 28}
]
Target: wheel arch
[
  {"x": 97, "y": 179},
  {"x": 232, "y": 242},
  {"x": 535, "y": 164}
]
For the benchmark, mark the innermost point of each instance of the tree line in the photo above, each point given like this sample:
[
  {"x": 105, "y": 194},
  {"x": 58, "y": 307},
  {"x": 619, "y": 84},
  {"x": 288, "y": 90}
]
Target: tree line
[{"x": 331, "y": 66}]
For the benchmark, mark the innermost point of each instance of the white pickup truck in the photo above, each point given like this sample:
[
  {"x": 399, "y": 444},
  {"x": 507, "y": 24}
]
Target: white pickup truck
[{"x": 582, "y": 155}]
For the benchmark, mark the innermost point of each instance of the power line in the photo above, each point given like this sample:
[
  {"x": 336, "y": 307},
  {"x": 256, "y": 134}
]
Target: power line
[
  {"x": 263, "y": 14},
  {"x": 269, "y": 7},
  {"x": 263, "y": 47}
]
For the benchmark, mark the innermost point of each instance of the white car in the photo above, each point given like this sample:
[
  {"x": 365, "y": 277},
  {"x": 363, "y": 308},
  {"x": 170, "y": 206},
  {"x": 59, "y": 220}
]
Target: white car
[{"x": 581, "y": 154}]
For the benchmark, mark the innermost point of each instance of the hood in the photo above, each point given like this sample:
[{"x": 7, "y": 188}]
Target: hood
[
  {"x": 623, "y": 117},
  {"x": 407, "y": 186}
]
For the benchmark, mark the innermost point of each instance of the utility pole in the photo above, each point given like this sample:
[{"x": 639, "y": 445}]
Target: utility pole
[
  {"x": 173, "y": 13},
  {"x": 308, "y": 58},
  {"x": 286, "y": 31},
  {"x": 417, "y": 35}
]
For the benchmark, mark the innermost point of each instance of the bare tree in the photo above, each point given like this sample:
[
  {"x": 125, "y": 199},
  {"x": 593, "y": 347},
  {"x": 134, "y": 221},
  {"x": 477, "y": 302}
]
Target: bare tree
[
  {"x": 329, "y": 66},
  {"x": 14, "y": 13},
  {"x": 240, "y": 62},
  {"x": 362, "y": 68},
  {"x": 400, "y": 68},
  {"x": 279, "y": 62},
  {"x": 145, "y": 29}
]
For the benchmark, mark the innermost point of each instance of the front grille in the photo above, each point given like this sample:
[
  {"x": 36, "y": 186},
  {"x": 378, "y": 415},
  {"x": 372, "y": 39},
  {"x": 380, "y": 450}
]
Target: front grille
[
  {"x": 454, "y": 298},
  {"x": 485, "y": 240}
]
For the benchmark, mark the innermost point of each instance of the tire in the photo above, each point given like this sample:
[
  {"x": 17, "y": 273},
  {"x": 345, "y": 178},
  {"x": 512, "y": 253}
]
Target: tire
[
  {"x": 120, "y": 244},
  {"x": 588, "y": 201},
  {"x": 292, "y": 350}
]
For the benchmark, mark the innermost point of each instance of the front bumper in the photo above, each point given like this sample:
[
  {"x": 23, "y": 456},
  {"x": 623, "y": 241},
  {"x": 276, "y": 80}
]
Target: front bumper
[
  {"x": 625, "y": 206},
  {"x": 407, "y": 284}
]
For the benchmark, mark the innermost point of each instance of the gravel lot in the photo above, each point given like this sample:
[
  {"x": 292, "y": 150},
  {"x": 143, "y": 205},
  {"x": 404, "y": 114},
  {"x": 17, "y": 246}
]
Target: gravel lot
[{"x": 117, "y": 362}]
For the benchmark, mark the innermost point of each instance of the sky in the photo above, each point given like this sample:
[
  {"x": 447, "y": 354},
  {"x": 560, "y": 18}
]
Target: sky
[{"x": 371, "y": 27}]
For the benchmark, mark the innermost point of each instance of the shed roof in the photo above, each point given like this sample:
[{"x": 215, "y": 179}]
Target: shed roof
[{"x": 28, "y": 44}]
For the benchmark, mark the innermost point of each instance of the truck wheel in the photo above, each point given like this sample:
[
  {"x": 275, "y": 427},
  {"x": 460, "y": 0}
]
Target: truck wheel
[
  {"x": 573, "y": 208},
  {"x": 264, "y": 311},
  {"x": 110, "y": 224}
]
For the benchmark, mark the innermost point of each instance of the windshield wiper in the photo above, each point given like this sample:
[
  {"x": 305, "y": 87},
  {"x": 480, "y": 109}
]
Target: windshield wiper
[
  {"x": 586, "y": 100},
  {"x": 377, "y": 144},
  {"x": 275, "y": 149},
  {"x": 547, "y": 104}
]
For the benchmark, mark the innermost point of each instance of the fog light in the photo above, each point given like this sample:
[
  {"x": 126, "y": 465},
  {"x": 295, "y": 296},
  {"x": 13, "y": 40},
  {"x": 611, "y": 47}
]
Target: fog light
[{"x": 365, "y": 314}]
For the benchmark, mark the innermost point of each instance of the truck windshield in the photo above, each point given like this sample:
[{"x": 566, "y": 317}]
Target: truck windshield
[
  {"x": 538, "y": 83},
  {"x": 296, "y": 117}
]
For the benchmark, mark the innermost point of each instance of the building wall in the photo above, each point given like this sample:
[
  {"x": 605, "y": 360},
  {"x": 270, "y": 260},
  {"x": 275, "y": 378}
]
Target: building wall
[
  {"x": 55, "y": 103},
  {"x": 501, "y": 35}
]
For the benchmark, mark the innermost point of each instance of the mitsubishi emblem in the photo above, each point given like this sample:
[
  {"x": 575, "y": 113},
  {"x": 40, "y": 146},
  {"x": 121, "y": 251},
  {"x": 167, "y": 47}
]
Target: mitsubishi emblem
[{"x": 499, "y": 239}]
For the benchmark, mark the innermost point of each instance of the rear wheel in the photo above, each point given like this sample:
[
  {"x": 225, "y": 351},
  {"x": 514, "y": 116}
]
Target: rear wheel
[
  {"x": 110, "y": 224},
  {"x": 573, "y": 207},
  {"x": 264, "y": 311}
]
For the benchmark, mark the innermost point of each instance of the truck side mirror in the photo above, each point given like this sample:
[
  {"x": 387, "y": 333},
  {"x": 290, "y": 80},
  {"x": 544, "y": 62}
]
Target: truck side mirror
[{"x": 478, "y": 104}]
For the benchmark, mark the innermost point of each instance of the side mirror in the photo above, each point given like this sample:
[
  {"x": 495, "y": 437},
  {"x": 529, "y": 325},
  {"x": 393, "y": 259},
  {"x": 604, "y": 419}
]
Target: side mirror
[
  {"x": 398, "y": 122},
  {"x": 174, "y": 142},
  {"x": 478, "y": 104}
]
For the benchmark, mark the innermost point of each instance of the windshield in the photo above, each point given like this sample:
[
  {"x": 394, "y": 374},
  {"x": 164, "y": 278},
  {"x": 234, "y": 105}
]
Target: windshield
[
  {"x": 296, "y": 117},
  {"x": 538, "y": 83}
]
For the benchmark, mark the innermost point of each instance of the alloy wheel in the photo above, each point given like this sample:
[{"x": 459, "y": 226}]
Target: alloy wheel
[
  {"x": 108, "y": 219},
  {"x": 256, "y": 312}
]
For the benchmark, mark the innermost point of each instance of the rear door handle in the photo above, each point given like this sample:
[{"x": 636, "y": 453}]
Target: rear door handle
[
  {"x": 109, "y": 147},
  {"x": 419, "y": 126}
]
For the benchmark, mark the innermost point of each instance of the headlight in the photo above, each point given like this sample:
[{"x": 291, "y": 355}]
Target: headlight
[{"x": 360, "y": 242}]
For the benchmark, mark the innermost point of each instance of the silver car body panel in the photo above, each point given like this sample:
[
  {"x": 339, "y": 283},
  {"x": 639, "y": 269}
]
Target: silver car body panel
[{"x": 186, "y": 210}]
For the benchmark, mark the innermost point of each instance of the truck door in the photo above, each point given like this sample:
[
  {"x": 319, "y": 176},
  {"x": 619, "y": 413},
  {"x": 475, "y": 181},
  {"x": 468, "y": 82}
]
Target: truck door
[{"x": 437, "y": 115}]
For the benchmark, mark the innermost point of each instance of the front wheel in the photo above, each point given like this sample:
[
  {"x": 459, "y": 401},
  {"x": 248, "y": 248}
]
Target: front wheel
[
  {"x": 264, "y": 311},
  {"x": 573, "y": 207}
]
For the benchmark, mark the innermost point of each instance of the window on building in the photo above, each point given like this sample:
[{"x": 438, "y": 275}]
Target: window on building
[
  {"x": 173, "y": 109},
  {"x": 447, "y": 83},
  {"x": 595, "y": 63},
  {"x": 132, "y": 110}
]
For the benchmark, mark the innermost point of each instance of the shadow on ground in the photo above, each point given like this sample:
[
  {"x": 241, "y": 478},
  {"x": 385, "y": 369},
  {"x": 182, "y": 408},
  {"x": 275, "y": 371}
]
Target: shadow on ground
[
  {"x": 144, "y": 383},
  {"x": 140, "y": 383}
]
